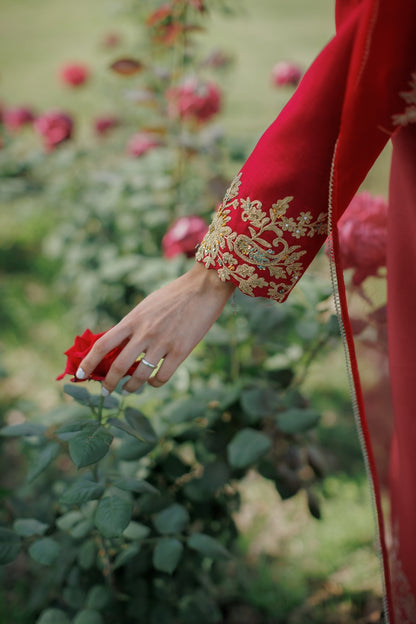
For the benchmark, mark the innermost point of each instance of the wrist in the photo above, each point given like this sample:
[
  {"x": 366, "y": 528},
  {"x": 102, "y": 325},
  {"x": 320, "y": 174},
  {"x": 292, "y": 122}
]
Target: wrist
[{"x": 208, "y": 280}]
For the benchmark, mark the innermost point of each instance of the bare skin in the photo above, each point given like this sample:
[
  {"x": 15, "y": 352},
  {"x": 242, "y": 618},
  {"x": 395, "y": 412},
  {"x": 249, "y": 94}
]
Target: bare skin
[{"x": 167, "y": 324}]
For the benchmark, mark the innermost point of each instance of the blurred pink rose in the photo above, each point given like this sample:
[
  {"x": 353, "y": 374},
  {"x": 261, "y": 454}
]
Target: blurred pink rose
[
  {"x": 363, "y": 236},
  {"x": 194, "y": 99},
  {"x": 15, "y": 118},
  {"x": 141, "y": 143},
  {"x": 105, "y": 123},
  {"x": 286, "y": 73},
  {"x": 183, "y": 236},
  {"x": 55, "y": 127},
  {"x": 74, "y": 74}
]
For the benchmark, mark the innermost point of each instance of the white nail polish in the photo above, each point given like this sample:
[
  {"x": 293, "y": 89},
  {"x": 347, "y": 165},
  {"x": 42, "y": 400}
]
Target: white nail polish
[
  {"x": 104, "y": 392},
  {"x": 125, "y": 393},
  {"x": 80, "y": 374}
]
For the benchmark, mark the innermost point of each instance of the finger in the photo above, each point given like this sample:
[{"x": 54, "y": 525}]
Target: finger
[
  {"x": 165, "y": 371},
  {"x": 110, "y": 340},
  {"x": 145, "y": 369},
  {"x": 121, "y": 365}
]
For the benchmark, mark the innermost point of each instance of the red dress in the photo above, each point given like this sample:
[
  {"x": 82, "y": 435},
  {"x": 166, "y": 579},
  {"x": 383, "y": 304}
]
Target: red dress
[{"x": 290, "y": 194}]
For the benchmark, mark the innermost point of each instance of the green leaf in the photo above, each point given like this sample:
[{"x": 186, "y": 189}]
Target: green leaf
[
  {"x": 53, "y": 616},
  {"x": 9, "y": 546},
  {"x": 82, "y": 491},
  {"x": 45, "y": 550},
  {"x": 208, "y": 546},
  {"x": 123, "y": 426},
  {"x": 24, "y": 429},
  {"x": 87, "y": 554},
  {"x": 133, "y": 449},
  {"x": 44, "y": 458},
  {"x": 297, "y": 420},
  {"x": 113, "y": 515},
  {"x": 68, "y": 520},
  {"x": 136, "y": 531},
  {"x": 259, "y": 402},
  {"x": 79, "y": 393},
  {"x": 140, "y": 424},
  {"x": 89, "y": 445},
  {"x": 247, "y": 447},
  {"x": 110, "y": 402},
  {"x": 98, "y": 597},
  {"x": 167, "y": 554},
  {"x": 88, "y": 616},
  {"x": 126, "y": 555},
  {"x": 184, "y": 410},
  {"x": 70, "y": 429},
  {"x": 82, "y": 529},
  {"x": 135, "y": 485},
  {"x": 173, "y": 519},
  {"x": 26, "y": 527}
]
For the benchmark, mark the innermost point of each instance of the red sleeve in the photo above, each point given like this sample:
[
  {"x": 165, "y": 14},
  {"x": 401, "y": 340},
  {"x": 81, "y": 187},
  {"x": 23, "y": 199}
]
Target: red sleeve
[{"x": 273, "y": 219}]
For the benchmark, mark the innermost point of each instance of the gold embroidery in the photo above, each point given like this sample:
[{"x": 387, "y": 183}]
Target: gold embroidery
[
  {"x": 409, "y": 115},
  {"x": 403, "y": 599},
  {"x": 263, "y": 262}
]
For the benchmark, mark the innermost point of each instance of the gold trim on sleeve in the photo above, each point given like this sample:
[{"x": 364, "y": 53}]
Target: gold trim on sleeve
[{"x": 261, "y": 257}]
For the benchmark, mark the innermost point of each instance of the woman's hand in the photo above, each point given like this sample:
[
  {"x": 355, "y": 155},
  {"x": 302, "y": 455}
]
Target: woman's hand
[{"x": 167, "y": 324}]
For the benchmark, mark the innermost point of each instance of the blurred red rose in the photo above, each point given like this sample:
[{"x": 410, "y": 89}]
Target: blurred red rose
[
  {"x": 105, "y": 123},
  {"x": 15, "y": 118},
  {"x": 79, "y": 350},
  {"x": 194, "y": 99},
  {"x": 285, "y": 73},
  {"x": 141, "y": 143},
  {"x": 183, "y": 236},
  {"x": 363, "y": 236},
  {"x": 74, "y": 74},
  {"x": 55, "y": 127}
]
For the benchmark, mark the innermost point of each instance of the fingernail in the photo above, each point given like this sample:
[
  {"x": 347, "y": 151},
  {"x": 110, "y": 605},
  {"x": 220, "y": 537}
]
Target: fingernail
[
  {"x": 125, "y": 392},
  {"x": 104, "y": 392},
  {"x": 80, "y": 374}
]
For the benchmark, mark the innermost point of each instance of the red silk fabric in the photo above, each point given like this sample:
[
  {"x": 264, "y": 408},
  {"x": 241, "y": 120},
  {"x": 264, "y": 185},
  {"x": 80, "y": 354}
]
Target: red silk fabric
[{"x": 356, "y": 96}]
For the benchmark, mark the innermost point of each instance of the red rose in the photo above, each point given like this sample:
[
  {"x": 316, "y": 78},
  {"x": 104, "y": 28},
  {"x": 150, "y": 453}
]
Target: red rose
[
  {"x": 105, "y": 123},
  {"x": 15, "y": 118},
  {"x": 81, "y": 347},
  {"x": 194, "y": 99},
  {"x": 183, "y": 236},
  {"x": 141, "y": 143},
  {"x": 55, "y": 127},
  {"x": 286, "y": 73},
  {"x": 363, "y": 236},
  {"x": 74, "y": 74}
]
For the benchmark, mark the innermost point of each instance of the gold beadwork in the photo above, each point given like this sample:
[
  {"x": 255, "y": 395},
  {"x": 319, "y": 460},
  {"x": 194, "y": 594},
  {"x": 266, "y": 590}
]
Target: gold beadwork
[{"x": 275, "y": 259}]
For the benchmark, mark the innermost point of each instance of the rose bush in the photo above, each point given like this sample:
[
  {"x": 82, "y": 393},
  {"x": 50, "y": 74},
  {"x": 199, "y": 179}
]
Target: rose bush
[
  {"x": 363, "y": 236},
  {"x": 194, "y": 99},
  {"x": 55, "y": 127},
  {"x": 15, "y": 118},
  {"x": 74, "y": 74},
  {"x": 184, "y": 236},
  {"x": 286, "y": 73},
  {"x": 141, "y": 143}
]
